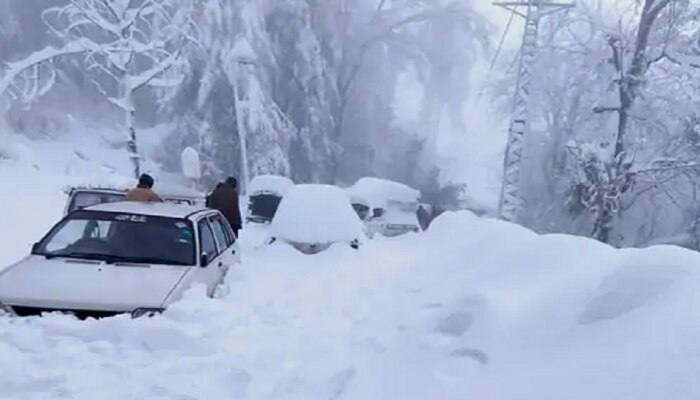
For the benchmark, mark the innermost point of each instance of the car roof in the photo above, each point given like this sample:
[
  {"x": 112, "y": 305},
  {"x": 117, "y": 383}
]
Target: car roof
[
  {"x": 164, "y": 209},
  {"x": 163, "y": 189}
]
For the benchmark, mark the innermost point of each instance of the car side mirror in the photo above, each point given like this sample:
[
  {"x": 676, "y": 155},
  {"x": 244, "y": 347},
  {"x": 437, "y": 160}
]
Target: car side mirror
[
  {"x": 377, "y": 213},
  {"x": 35, "y": 248},
  {"x": 204, "y": 260}
]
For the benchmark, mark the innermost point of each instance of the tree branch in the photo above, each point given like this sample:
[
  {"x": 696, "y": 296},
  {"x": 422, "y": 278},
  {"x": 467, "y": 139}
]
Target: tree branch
[{"x": 41, "y": 56}]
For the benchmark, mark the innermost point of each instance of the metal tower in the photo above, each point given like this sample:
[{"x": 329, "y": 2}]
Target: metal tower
[{"x": 532, "y": 11}]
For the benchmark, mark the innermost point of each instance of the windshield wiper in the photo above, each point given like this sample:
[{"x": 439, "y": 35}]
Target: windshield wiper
[
  {"x": 144, "y": 260},
  {"x": 112, "y": 259},
  {"x": 83, "y": 256}
]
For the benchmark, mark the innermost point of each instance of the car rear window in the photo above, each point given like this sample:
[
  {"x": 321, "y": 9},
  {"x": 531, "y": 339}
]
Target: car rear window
[{"x": 87, "y": 199}]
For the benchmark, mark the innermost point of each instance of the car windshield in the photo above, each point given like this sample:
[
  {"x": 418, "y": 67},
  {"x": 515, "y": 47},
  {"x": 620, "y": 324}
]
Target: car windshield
[
  {"x": 361, "y": 210},
  {"x": 87, "y": 199},
  {"x": 119, "y": 237}
]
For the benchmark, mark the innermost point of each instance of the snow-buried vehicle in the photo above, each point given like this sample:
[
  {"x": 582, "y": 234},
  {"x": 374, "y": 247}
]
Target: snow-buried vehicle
[
  {"x": 386, "y": 207},
  {"x": 122, "y": 257},
  {"x": 265, "y": 192},
  {"x": 313, "y": 217}
]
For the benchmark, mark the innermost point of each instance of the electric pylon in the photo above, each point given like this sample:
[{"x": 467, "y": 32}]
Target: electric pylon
[{"x": 532, "y": 11}]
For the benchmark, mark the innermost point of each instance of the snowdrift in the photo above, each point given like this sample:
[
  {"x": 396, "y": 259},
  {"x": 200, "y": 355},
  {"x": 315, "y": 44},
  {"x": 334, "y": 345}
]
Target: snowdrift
[{"x": 472, "y": 308}]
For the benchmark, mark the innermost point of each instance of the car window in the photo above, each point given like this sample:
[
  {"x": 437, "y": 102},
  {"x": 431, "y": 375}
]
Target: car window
[
  {"x": 206, "y": 238},
  {"x": 87, "y": 199},
  {"x": 220, "y": 234},
  {"x": 71, "y": 233},
  {"x": 230, "y": 236}
]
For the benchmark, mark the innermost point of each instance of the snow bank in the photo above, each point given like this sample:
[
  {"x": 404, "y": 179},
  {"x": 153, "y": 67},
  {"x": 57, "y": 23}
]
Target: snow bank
[
  {"x": 379, "y": 191},
  {"x": 316, "y": 214},
  {"x": 472, "y": 308},
  {"x": 273, "y": 183}
]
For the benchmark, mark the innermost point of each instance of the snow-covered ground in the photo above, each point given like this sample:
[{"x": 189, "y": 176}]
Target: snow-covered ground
[{"x": 473, "y": 308}]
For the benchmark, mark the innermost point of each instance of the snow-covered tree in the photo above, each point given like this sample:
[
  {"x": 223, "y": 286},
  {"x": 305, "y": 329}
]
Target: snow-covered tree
[
  {"x": 608, "y": 99},
  {"x": 127, "y": 45}
]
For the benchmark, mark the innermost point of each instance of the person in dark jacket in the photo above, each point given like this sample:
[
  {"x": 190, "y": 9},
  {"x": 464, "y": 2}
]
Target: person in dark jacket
[
  {"x": 208, "y": 199},
  {"x": 143, "y": 192},
  {"x": 423, "y": 217},
  {"x": 225, "y": 199}
]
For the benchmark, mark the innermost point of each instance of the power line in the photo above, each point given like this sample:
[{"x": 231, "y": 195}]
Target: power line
[{"x": 502, "y": 41}]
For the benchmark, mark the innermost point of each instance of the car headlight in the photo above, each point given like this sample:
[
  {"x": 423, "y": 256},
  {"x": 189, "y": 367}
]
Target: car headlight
[{"x": 145, "y": 311}]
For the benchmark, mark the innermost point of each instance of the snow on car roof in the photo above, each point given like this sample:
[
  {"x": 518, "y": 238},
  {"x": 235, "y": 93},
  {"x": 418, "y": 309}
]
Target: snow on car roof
[
  {"x": 380, "y": 191},
  {"x": 314, "y": 213},
  {"x": 358, "y": 199},
  {"x": 169, "y": 210},
  {"x": 272, "y": 183}
]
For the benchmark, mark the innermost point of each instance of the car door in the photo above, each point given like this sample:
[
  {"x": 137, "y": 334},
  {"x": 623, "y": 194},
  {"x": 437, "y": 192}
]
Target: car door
[
  {"x": 234, "y": 249},
  {"x": 209, "y": 273},
  {"x": 225, "y": 241}
]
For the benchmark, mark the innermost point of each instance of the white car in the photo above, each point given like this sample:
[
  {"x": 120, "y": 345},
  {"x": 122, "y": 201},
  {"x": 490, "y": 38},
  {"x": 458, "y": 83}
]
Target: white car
[
  {"x": 85, "y": 196},
  {"x": 390, "y": 207},
  {"x": 123, "y": 257},
  {"x": 313, "y": 217}
]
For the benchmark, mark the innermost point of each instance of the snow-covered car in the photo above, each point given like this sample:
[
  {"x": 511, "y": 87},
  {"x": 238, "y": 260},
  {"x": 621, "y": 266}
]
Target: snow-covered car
[
  {"x": 312, "y": 217},
  {"x": 123, "y": 257},
  {"x": 264, "y": 195},
  {"x": 393, "y": 205},
  {"x": 85, "y": 196}
]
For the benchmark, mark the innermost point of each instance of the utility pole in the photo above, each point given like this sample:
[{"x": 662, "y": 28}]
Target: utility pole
[{"x": 532, "y": 11}]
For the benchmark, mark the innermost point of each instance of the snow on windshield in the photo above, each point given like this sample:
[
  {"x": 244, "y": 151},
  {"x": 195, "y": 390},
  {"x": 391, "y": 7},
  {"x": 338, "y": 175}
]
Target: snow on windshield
[{"x": 316, "y": 214}]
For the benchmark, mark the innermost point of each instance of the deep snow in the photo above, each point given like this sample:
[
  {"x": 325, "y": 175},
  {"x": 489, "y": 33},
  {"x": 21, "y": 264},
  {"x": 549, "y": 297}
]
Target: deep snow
[{"x": 471, "y": 309}]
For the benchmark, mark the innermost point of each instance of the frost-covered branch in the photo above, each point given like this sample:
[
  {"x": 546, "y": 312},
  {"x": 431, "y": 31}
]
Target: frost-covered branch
[{"x": 14, "y": 69}]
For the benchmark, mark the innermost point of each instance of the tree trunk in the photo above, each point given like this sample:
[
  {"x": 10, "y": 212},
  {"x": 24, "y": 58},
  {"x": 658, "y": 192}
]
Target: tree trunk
[
  {"x": 603, "y": 225},
  {"x": 242, "y": 138},
  {"x": 129, "y": 118},
  {"x": 629, "y": 82}
]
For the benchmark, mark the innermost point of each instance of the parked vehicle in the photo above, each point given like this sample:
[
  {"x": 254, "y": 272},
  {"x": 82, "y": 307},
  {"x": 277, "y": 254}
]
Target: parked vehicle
[
  {"x": 393, "y": 206},
  {"x": 264, "y": 195},
  {"x": 362, "y": 207},
  {"x": 122, "y": 257},
  {"x": 313, "y": 217},
  {"x": 85, "y": 196}
]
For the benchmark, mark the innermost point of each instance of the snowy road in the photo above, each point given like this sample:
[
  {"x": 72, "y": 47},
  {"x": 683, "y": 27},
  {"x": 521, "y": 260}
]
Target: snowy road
[{"x": 471, "y": 309}]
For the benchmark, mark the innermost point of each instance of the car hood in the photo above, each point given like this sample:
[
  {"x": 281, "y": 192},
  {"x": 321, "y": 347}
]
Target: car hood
[{"x": 87, "y": 285}]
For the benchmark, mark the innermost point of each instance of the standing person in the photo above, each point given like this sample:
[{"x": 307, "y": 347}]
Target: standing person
[
  {"x": 143, "y": 192},
  {"x": 225, "y": 199},
  {"x": 423, "y": 217},
  {"x": 208, "y": 200}
]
